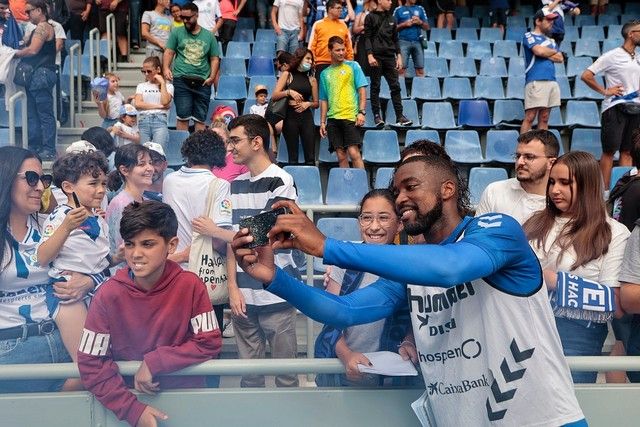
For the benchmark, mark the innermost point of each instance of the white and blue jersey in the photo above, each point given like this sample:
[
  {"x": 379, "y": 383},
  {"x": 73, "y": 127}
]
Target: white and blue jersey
[
  {"x": 404, "y": 13},
  {"x": 484, "y": 329},
  {"x": 536, "y": 67},
  {"x": 23, "y": 282}
]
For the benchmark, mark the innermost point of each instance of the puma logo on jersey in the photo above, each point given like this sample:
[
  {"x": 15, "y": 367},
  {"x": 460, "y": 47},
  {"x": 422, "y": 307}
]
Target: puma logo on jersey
[
  {"x": 204, "y": 322},
  {"x": 94, "y": 344}
]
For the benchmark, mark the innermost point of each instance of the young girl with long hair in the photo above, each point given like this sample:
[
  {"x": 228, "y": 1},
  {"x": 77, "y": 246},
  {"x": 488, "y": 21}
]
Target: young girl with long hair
[
  {"x": 109, "y": 108},
  {"x": 580, "y": 249}
]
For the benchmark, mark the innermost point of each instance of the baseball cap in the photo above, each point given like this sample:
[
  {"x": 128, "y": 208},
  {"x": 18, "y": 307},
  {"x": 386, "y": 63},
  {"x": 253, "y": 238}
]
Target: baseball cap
[
  {"x": 129, "y": 110},
  {"x": 81, "y": 146},
  {"x": 545, "y": 13},
  {"x": 154, "y": 146},
  {"x": 261, "y": 88}
]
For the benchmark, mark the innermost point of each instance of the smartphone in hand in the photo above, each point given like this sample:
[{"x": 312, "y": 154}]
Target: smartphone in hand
[{"x": 260, "y": 225}]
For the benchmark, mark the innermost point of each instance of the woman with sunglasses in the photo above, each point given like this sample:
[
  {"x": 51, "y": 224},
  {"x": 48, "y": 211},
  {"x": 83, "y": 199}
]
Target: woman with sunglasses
[
  {"x": 580, "y": 249},
  {"x": 153, "y": 99},
  {"x": 40, "y": 52},
  {"x": 27, "y": 333}
]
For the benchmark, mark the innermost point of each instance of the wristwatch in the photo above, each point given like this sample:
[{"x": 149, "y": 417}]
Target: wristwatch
[{"x": 363, "y": 112}]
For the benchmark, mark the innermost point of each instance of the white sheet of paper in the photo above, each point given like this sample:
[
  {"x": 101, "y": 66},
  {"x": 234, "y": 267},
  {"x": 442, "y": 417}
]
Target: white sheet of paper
[{"x": 388, "y": 363}]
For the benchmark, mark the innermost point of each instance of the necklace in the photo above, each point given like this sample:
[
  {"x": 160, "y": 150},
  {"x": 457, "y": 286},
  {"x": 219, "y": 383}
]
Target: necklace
[{"x": 632, "y": 53}]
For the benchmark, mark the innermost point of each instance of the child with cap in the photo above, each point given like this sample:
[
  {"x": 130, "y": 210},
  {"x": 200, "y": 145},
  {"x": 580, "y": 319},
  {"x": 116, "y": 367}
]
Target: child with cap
[
  {"x": 125, "y": 131},
  {"x": 260, "y": 107},
  {"x": 159, "y": 161}
]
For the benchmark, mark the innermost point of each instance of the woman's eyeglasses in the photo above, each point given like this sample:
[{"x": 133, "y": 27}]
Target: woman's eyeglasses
[{"x": 32, "y": 178}]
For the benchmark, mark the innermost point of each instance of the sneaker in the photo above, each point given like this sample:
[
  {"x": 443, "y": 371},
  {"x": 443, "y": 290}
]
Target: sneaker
[
  {"x": 403, "y": 121},
  {"x": 47, "y": 155},
  {"x": 227, "y": 330},
  {"x": 378, "y": 121}
]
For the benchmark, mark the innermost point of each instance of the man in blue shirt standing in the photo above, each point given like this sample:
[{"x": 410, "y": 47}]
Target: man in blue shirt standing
[
  {"x": 411, "y": 19},
  {"x": 541, "y": 91}
]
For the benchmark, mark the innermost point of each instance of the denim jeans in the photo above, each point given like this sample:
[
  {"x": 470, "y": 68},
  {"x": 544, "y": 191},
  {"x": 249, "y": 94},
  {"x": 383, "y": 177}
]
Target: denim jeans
[
  {"x": 581, "y": 338},
  {"x": 41, "y": 119},
  {"x": 134, "y": 23},
  {"x": 153, "y": 127},
  {"x": 262, "y": 7},
  {"x": 414, "y": 50},
  {"x": 38, "y": 349},
  {"x": 288, "y": 41}
]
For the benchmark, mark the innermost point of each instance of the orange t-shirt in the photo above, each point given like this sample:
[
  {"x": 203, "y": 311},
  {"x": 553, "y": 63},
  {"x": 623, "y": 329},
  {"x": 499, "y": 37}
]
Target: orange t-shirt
[{"x": 17, "y": 8}]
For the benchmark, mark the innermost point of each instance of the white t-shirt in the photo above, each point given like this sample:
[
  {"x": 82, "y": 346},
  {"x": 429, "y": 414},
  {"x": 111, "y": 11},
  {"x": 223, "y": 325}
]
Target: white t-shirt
[
  {"x": 130, "y": 130},
  {"x": 618, "y": 69},
  {"x": 85, "y": 250},
  {"x": 115, "y": 101},
  {"x": 58, "y": 32},
  {"x": 208, "y": 13},
  {"x": 508, "y": 197},
  {"x": 159, "y": 25},
  {"x": 604, "y": 270},
  {"x": 186, "y": 192},
  {"x": 258, "y": 109},
  {"x": 151, "y": 94},
  {"x": 289, "y": 12}
]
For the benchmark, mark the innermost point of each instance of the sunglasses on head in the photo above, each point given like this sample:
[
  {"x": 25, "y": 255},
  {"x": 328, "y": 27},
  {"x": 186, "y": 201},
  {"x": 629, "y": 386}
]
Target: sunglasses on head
[{"x": 32, "y": 178}]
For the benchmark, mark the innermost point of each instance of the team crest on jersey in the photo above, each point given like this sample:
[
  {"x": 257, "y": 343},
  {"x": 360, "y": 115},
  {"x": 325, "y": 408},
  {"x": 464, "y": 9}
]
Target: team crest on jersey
[
  {"x": 48, "y": 230},
  {"x": 225, "y": 207}
]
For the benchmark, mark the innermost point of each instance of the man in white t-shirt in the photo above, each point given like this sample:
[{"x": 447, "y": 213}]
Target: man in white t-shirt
[
  {"x": 621, "y": 68},
  {"x": 186, "y": 189},
  {"x": 525, "y": 194},
  {"x": 288, "y": 23},
  {"x": 209, "y": 15}
]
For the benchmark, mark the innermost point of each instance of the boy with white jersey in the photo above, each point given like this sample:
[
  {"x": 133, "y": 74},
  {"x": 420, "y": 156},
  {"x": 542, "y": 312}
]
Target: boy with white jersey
[
  {"x": 209, "y": 15},
  {"x": 125, "y": 131}
]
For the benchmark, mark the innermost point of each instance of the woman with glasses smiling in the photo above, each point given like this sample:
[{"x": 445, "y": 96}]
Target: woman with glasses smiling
[
  {"x": 27, "y": 333},
  {"x": 153, "y": 99}
]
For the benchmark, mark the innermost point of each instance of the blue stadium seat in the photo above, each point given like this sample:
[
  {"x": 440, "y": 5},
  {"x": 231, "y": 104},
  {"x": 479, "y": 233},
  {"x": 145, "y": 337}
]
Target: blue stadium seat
[
  {"x": 340, "y": 228},
  {"x": 474, "y": 114},
  {"x": 556, "y": 133},
  {"x": 213, "y": 104},
  {"x": 488, "y": 87},
  {"x": 4, "y": 137},
  {"x": 592, "y": 32},
  {"x": 436, "y": 67},
  {"x": 172, "y": 150},
  {"x": 385, "y": 92},
  {"x": 462, "y": 67},
  {"x": 508, "y": 113},
  {"x": 468, "y": 22},
  {"x": 582, "y": 113},
  {"x": 493, "y": 67},
  {"x": 479, "y": 10},
  {"x": 426, "y": 88},
  {"x": 247, "y": 105},
  {"x": 565, "y": 88},
  {"x": 246, "y": 23},
  {"x": 264, "y": 49},
  {"x": 414, "y": 135},
  {"x": 307, "y": 181},
  {"x": 586, "y": 47},
  {"x": 505, "y": 49},
  {"x": 567, "y": 48},
  {"x": 260, "y": 66},
  {"x": 587, "y": 140},
  {"x": 570, "y": 34},
  {"x": 561, "y": 70},
  {"x": 577, "y": 64},
  {"x": 466, "y": 34},
  {"x": 439, "y": 34},
  {"x": 238, "y": 50},
  {"x": 268, "y": 81},
  {"x": 410, "y": 111},
  {"x": 282, "y": 155},
  {"x": 555, "y": 118},
  {"x": 614, "y": 32},
  {"x": 233, "y": 66},
  {"x": 515, "y": 87},
  {"x": 380, "y": 146},
  {"x": 232, "y": 87},
  {"x": 346, "y": 186},
  {"x": 516, "y": 67},
  {"x": 632, "y": 8},
  {"x": 438, "y": 115},
  {"x": 480, "y": 178},
  {"x": 368, "y": 118},
  {"x": 463, "y": 146},
  {"x": 582, "y": 91},
  {"x": 450, "y": 49},
  {"x": 614, "y": 9},
  {"x": 266, "y": 35},
  {"x": 383, "y": 177},
  {"x": 70, "y": 42},
  {"x": 583, "y": 20},
  {"x": 456, "y": 88},
  {"x": 501, "y": 144},
  {"x": 490, "y": 34},
  {"x": 515, "y": 33},
  {"x": 478, "y": 49},
  {"x": 616, "y": 174},
  {"x": 4, "y": 114},
  {"x": 243, "y": 35},
  {"x": 324, "y": 156},
  {"x": 516, "y": 21},
  {"x": 430, "y": 51},
  {"x": 613, "y": 43}
]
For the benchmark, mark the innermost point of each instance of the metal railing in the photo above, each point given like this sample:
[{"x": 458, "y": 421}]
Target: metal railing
[
  {"x": 74, "y": 68},
  {"x": 94, "y": 53},
  {"x": 23, "y": 120},
  {"x": 111, "y": 36}
]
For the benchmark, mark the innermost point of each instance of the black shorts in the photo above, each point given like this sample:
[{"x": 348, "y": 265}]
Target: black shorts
[
  {"x": 499, "y": 16},
  {"x": 446, "y": 6},
  {"x": 342, "y": 134},
  {"x": 122, "y": 21},
  {"x": 617, "y": 129}
]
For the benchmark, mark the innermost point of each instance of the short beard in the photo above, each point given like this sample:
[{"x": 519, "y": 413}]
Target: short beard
[
  {"x": 424, "y": 223},
  {"x": 534, "y": 176}
]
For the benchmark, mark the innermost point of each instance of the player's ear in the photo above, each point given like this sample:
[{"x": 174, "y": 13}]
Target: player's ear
[
  {"x": 67, "y": 187},
  {"x": 448, "y": 189},
  {"x": 172, "y": 244}
]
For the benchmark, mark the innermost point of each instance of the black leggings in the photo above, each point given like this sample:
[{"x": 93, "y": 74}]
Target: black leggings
[{"x": 299, "y": 126}]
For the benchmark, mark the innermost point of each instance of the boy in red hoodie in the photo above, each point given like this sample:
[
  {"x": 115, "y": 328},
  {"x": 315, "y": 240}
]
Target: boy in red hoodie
[{"x": 152, "y": 311}]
